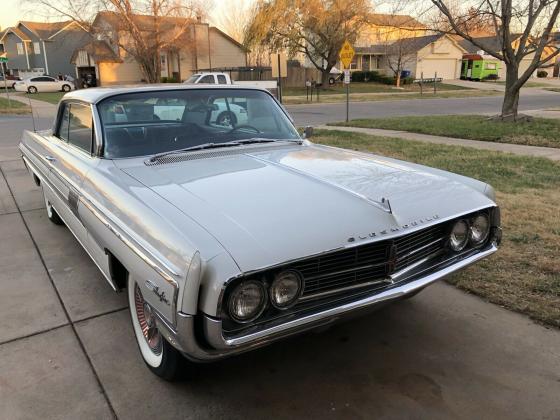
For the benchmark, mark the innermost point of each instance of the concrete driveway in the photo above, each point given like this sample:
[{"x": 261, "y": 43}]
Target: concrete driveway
[{"x": 67, "y": 349}]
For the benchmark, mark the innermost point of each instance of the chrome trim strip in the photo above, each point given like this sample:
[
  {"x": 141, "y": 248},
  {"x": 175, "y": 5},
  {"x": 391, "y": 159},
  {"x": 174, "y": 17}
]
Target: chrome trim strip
[
  {"x": 395, "y": 276},
  {"x": 213, "y": 327},
  {"x": 49, "y": 185},
  {"x": 166, "y": 272},
  {"x": 345, "y": 289},
  {"x": 135, "y": 248},
  {"x": 417, "y": 250}
]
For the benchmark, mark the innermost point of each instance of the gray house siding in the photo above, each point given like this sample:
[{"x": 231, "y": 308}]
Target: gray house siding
[
  {"x": 60, "y": 50},
  {"x": 10, "y": 46}
]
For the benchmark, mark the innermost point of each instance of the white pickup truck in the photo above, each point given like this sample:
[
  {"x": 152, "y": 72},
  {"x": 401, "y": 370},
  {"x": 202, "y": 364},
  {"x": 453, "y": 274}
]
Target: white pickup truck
[{"x": 220, "y": 78}]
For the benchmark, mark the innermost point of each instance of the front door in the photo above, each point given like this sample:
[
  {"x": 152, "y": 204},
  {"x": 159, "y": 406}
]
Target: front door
[{"x": 71, "y": 160}]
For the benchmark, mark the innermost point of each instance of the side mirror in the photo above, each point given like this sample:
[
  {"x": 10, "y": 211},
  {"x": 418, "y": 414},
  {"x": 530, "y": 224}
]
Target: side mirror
[{"x": 308, "y": 132}]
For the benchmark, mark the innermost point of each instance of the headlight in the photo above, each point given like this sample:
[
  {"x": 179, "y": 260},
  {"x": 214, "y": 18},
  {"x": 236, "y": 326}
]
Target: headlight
[
  {"x": 480, "y": 228},
  {"x": 285, "y": 289},
  {"x": 247, "y": 301},
  {"x": 459, "y": 236}
]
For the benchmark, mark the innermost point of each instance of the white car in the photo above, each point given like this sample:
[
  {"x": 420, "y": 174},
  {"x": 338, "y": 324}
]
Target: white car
[
  {"x": 43, "y": 84},
  {"x": 224, "y": 112}
]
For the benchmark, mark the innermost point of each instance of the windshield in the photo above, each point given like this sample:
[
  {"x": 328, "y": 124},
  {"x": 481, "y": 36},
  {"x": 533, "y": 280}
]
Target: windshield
[
  {"x": 147, "y": 123},
  {"x": 192, "y": 79}
]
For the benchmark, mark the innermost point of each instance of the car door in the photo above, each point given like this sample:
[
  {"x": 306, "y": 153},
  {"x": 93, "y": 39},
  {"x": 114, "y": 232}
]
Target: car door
[
  {"x": 71, "y": 159},
  {"x": 50, "y": 84}
]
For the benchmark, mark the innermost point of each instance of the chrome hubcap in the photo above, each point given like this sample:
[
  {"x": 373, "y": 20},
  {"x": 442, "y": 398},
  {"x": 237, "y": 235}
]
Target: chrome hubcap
[{"x": 147, "y": 321}]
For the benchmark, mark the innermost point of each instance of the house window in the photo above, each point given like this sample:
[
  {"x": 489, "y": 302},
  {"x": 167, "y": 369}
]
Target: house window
[
  {"x": 19, "y": 47},
  {"x": 354, "y": 63},
  {"x": 36, "y": 48},
  {"x": 365, "y": 62},
  {"x": 490, "y": 66}
]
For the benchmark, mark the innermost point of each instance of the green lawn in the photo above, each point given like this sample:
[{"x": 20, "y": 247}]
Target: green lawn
[
  {"x": 50, "y": 97},
  {"x": 525, "y": 273},
  {"x": 370, "y": 87},
  {"x": 539, "y": 132},
  {"x": 12, "y": 107}
]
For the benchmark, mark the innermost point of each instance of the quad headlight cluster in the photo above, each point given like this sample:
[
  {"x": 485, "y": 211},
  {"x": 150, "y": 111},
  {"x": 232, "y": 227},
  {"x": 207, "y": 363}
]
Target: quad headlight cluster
[
  {"x": 250, "y": 298},
  {"x": 473, "y": 231}
]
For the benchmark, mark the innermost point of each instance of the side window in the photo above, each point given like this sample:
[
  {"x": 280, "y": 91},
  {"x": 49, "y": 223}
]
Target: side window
[
  {"x": 222, "y": 79},
  {"x": 64, "y": 120},
  {"x": 209, "y": 78},
  {"x": 80, "y": 129}
]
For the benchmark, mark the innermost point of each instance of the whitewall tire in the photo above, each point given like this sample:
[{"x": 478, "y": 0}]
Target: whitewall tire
[{"x": 160, "y": 357}]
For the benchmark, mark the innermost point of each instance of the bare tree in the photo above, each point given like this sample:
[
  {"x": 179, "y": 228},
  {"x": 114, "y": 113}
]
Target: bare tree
[
  {"x": 397, "y": 37},
  {"x": 233, "y": 17},
  {"x": 144, "y": 27},
  {"x": 535, "y": 19},
  {"x": 400, "y": 54},
  {"x": 314, "y": 28}
]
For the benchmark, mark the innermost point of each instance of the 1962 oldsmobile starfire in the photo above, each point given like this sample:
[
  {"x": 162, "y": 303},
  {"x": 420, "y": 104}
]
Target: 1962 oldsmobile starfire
[{"x": 227, "y": 238}]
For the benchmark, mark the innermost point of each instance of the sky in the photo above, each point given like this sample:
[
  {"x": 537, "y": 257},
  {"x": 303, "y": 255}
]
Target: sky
[{"x": 16, "y": 10}]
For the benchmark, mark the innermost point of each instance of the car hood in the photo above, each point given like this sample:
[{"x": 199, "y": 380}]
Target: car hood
[{"x": 267, "y": 205}]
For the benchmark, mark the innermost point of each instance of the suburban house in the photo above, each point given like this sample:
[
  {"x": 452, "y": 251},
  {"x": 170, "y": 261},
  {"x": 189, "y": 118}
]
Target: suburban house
[
  {"x": 42, "y": 47},
  {"x": 431, "y": 55},
  {"x": 199, "y": 47},
  {"x": 382, "y": 30},
  {"x": 493, "y": 43},
  {"x": 420, "y": 50}
]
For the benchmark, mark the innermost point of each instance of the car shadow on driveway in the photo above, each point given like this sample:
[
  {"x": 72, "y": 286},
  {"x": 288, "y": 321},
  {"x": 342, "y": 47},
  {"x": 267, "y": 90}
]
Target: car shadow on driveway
[{"x": 441, "y": 355}]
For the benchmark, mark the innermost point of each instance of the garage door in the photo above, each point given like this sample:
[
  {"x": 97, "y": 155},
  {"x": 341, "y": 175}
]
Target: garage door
[{"x": 445, "y": 68}]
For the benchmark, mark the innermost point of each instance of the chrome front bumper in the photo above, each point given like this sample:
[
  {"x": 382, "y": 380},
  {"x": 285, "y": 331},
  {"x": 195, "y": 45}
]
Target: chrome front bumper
[{"x": 184, "y": 338}]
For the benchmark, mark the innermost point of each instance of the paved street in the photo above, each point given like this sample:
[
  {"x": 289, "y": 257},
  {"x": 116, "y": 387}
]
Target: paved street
[
  {"x": 67, "y": 349},
  {"x": 316, "y": 114}
]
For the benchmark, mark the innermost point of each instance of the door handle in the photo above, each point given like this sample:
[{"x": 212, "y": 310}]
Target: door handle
[{"x": 50, "y": 158}]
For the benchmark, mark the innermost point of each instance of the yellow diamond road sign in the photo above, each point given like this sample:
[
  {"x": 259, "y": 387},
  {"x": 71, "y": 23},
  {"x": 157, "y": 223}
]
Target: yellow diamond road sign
[{"x": 346, "y": 54}]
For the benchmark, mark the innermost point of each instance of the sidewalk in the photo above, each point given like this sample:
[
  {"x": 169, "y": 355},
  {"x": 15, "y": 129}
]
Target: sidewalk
[
  {"x": 516, "y": 149},
  {"x": 41, "y": 109},
  {"x": 476, "y": 85}
]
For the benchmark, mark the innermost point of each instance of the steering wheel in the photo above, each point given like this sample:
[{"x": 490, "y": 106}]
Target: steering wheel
[{"x": 250, "y": 127}]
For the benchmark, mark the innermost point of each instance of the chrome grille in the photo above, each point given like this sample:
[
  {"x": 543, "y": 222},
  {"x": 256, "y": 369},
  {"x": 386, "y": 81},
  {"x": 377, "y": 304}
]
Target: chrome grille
[{"x": 369, "y": 264}]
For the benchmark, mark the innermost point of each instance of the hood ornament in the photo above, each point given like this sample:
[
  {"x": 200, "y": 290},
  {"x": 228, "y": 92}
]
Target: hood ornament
[{"x": 386, "y": 204}]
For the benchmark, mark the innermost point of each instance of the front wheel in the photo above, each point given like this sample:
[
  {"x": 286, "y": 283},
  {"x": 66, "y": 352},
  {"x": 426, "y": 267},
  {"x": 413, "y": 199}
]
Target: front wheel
[
  {"x": 31, "y": 89},
  {"x": 160, "y": 357},
  {"x": 66, "y": 88}
]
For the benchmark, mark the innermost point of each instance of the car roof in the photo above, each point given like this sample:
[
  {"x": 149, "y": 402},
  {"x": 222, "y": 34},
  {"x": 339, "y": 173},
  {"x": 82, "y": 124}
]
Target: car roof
[{"x": 97, "y": 94}]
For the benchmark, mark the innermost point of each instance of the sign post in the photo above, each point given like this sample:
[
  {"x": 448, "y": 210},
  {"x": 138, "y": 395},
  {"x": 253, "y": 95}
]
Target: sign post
[
  {"x": 4, "y": 62},
  {"x": 279, "y": 65},
  {"x": 346, "y": 55}
]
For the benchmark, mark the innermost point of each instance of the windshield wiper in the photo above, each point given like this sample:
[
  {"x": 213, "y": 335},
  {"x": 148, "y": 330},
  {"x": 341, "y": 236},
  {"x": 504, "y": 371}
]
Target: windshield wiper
[
  {"x": 260, "y": 140},
  {"x": 217, "y": 145},
  {"x": 192, "y": 148}
]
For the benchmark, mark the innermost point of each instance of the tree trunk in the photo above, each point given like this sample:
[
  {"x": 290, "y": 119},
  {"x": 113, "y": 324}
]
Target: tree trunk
[
  {"x": 511, "y": 96},
  {"x": 325, "y": 75},
  {"x": 398, "y": 82}
]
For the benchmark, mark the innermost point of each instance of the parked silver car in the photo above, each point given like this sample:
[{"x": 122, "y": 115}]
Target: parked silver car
[{"x": 228, "y": 238}]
